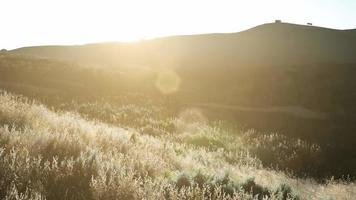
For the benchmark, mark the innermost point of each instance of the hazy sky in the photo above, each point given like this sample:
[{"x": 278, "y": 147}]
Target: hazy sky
[{"x": 40, "y": 22}]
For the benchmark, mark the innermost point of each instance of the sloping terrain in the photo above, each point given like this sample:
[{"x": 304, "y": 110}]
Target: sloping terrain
[
  {"x": 49, "y": 155},
  {"x": 185, "y": 117},
  {"x": 295, "y": 80},
  {"x": 272, "y": 65},
  {"x": 278, "y": 44}
]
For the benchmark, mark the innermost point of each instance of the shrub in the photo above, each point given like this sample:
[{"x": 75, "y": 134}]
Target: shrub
[
  {"x": 251, "y": 187},
  {"x": 285, "y": 192}
]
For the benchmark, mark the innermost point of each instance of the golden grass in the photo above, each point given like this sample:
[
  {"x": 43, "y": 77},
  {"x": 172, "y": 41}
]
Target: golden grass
[{"x": 61, "y": 155}]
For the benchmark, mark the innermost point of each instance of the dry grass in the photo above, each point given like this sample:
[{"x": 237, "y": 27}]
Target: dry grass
[{"x": 61, "y": 155}]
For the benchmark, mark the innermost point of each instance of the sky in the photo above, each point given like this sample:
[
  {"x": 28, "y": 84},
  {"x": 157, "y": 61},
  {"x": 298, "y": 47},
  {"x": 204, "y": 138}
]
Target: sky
[{"x": 64, "y": 22}]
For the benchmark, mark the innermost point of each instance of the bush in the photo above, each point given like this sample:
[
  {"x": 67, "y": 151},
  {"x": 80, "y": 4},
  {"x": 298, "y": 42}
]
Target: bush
[
  {"x": 183, "y": 180},
  {"x": 251, "y": 187},
  {"x": 285, "y": 192}
]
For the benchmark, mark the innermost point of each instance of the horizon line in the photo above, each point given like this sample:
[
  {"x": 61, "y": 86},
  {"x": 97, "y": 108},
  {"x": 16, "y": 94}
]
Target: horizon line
[{"x": 277, "y": 21}]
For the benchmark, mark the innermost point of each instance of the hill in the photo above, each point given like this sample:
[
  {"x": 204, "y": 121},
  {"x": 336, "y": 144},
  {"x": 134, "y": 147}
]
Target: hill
[
  {"x": 291, "y": 79},
  {"x": 286, "y": 69},
  {"x": 265, "y": 45},
  {"x": 61, "y": 155}
]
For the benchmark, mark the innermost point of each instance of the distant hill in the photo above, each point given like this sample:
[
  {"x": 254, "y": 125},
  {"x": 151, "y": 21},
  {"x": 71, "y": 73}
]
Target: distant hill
[
  {"x": 268, "y": 44},
  {"x": 294, "y": 78},
  {"x": 285, "y": 78}
]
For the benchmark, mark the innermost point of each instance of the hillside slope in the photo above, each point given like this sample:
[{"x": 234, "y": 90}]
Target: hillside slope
[
  {"x": 292, "y": 79},
  {"x": 265, "y": 45},
  {"x": 48, "y": 155}
]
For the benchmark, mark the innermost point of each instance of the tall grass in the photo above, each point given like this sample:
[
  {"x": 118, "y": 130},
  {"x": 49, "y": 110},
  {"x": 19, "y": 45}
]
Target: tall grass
[{"x": 61, "y": 155}]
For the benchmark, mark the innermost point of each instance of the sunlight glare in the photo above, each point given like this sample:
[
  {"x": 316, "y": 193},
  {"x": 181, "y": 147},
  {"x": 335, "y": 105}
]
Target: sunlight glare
[{"x": 168, "y": 81}]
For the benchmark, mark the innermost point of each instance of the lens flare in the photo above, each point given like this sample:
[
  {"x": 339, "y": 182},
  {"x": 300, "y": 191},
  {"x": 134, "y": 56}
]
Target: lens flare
[
  {"x": 192, "y": 115},
  {"x": 190, "y": 120},
  {"x": 168, "y": 81}
]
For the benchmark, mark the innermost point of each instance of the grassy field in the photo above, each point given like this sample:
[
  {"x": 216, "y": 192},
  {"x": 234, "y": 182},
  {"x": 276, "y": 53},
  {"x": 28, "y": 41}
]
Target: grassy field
[
  {"x": 167, "y": 121},
  {"x": 321, "y": 114},
  {"x": 62, "y": 155}
]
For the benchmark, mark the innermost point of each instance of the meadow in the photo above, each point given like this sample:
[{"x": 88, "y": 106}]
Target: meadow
[
  {"x": 63, "y": 155},
  {"x": 70, "y": 131}
]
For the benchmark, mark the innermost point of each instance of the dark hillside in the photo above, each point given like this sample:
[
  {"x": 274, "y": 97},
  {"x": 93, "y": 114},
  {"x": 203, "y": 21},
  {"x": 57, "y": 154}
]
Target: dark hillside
[
  {"x": 267, "y": 45},
  {"x": 293, "y": 79}
]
